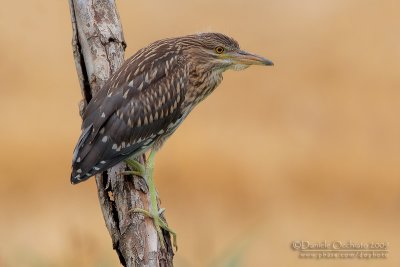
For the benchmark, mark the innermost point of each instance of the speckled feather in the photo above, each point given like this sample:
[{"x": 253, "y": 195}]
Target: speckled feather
[{"x": 144, "y": 102}]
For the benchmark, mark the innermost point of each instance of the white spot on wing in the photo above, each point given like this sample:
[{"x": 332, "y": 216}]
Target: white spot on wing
[
  {"x": 105, "y": 138},
  {"x": 153, "y": 75},
  {"x": 126, "y": 94}
]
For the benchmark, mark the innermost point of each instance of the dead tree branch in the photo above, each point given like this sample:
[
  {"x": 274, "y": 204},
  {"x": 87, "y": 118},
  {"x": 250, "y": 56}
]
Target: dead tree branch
[{"x": 98, "y": 48}]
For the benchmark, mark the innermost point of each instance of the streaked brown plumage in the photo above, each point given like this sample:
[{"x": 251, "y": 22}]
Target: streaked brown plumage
[{"x": 144, "y": 101}]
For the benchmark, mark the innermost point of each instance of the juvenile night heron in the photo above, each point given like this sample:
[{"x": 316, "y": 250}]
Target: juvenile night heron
[{"x": 147, "y": 98}]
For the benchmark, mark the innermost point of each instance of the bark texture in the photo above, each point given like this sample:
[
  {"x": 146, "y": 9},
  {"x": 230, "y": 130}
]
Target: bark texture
[{"x": 98, "y": 48}]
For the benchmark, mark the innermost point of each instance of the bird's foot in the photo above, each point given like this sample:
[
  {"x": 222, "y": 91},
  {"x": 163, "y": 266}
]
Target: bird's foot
[
  {"x": 137, "y": 168},
  {"x": 154, "y": 213},
  {"x": 159, "y": 224}
]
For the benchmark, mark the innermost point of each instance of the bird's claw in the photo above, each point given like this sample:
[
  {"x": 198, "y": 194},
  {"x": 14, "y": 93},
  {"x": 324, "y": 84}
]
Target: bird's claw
[{"x": 160, "y": 211}]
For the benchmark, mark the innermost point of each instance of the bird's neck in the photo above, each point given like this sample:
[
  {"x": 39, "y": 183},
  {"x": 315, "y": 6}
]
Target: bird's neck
[{"x": 201, "y": 85}]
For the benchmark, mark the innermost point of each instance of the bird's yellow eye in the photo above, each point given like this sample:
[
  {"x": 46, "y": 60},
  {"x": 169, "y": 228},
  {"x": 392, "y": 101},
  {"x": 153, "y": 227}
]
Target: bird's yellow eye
[{"x": 219, "y": 50}]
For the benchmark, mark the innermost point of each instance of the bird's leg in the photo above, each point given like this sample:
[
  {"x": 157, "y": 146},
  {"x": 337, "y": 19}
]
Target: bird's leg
[
  {"x": 154, "y": 213},
  {"x": 137, "y": 168}
]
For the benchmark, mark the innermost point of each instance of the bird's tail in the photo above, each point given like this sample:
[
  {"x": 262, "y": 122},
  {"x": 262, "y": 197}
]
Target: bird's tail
[
  {"x": 88, "y": 157},
  {"x": 78, "y": 174}
]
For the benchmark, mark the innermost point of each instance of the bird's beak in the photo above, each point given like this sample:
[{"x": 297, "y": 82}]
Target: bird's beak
[{"x": 246, "y": 58}]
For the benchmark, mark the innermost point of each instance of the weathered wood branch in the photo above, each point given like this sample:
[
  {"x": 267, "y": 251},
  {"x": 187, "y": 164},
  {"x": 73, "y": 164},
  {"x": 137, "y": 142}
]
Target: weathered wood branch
[{"x": 98, "y": 48}]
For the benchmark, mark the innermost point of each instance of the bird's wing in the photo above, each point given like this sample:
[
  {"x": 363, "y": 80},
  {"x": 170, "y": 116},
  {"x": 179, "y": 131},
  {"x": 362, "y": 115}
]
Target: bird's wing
[{"x": 137, "y": 105}]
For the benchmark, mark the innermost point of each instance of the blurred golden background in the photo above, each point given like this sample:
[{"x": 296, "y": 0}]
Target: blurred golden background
[{"x": 309, "y": 149}]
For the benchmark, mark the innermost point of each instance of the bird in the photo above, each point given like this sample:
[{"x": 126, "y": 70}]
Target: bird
[{"x": 147, "y": 98}]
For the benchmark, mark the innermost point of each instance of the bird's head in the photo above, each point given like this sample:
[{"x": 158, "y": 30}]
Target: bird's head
[{"x": 219, "y": 52}]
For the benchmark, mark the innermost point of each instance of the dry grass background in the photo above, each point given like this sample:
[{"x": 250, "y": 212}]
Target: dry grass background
[{"x": 309, "y": 149}]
